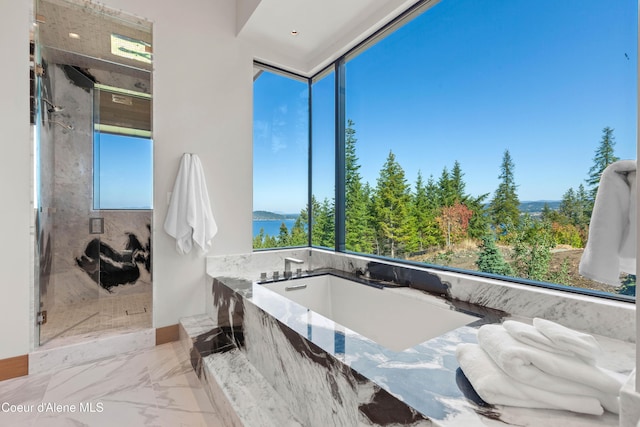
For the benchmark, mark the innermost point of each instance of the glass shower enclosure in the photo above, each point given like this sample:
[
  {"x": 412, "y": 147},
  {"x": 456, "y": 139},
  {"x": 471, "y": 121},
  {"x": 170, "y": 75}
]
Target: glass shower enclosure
[{"x": 93, "y": 263}]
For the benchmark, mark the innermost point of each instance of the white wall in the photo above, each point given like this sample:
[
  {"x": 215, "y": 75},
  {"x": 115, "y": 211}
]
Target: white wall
[
  {"x": 15, "y": 176},
  {"x": 202, "y": 87},
  {"x": 202, "y": 103}
]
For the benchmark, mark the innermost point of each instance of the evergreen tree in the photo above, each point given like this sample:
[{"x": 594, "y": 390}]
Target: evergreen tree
[
  {"x": 284, "y": 239},
  {"x": 298, "y": 233},
  {"x": 532, "y": 249},
  {"x": 490, "y": 259},
  {"x": 604, "y": 157},
  {"x": 270, "y": 242},
  {"x": 457, "y": 184},
  {"x": 323, "y": 223},
  {"x": 479, "y": 222},
  {"x": 504, "y": 205},
  {"x": 547, "y": 213},
  {"x": 372, "y": 229},
  {"x": 424, "y": 214},
  {"x": 569, "y": 207},
  {"x": 432, "y": 229},
  {"x": 585, "y": 204},
  {"x": 356, "y": 214},
  {"x": 258, "y": 241},
  {"x": 446, "y": 194},
  {"x": 391, "y": 205}
]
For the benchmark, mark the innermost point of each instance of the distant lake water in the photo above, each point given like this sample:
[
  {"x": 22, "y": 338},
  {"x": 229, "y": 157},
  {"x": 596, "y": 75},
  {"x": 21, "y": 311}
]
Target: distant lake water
[{"x": 271, "y": 227}]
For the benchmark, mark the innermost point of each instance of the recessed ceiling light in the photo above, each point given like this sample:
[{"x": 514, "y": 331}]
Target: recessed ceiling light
[
  {"x": 294, "y": 32},
  {"x": 74, "y": 35}
]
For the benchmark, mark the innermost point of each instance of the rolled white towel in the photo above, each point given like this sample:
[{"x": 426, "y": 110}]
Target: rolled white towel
[
  {"x": 528, "y": 334},
  {"x": 548, "y": 371},
  {"x": 496, "y": 387},
  {"x": 584, "y": 345}
]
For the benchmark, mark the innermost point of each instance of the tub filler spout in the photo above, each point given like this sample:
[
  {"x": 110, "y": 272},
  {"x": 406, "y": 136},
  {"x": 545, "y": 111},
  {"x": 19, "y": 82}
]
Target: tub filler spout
[{"x": 287, "y": 266}]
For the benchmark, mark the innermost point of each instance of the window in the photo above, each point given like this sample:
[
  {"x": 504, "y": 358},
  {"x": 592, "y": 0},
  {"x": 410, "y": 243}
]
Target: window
[
  {"x": 280, "y": 160},
  {"x": 471, "y": 136},
  {"x": 122, "y": 149},
  {"x": 323, "y": 155},
  {"x": 478, "y": 128},
  {"x": 123, "y": 172}
]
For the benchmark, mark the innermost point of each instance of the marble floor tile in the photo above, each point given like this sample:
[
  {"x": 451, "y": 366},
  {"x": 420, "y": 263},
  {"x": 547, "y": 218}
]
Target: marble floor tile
[
  {"x": 151, "y": 387},
  {"x": 99, "y": 315}
]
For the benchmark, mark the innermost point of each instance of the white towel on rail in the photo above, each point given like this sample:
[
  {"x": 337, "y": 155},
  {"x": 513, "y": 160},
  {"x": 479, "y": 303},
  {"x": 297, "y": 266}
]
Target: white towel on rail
[
  {"x": 175, "y": 224},
  {"x": 189, "y": 217},
  {"x": 199, "y": 215},
  {"x": 496, "y": 387},
  {"x": 611, "y": 246}
]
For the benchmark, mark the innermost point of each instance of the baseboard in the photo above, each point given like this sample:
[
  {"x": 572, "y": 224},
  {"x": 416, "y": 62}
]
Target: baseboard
[
  {"x": 14, "y": 367},
  {"x": 167, "y": 334}
]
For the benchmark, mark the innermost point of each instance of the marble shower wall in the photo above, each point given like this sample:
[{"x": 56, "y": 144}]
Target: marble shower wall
[{"x": 79, "y": 257}]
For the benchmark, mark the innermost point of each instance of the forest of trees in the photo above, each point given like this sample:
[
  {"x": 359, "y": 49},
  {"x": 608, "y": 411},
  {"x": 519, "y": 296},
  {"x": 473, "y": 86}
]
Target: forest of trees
[{"x": 398, "y": 220}]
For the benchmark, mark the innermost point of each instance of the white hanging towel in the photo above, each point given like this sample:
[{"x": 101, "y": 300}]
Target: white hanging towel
[
  {"x": 175, "y": 224},
  {"x": 611, "y": 247},
  {"x": 189, "y": 217},
  {"x": 199, "y": 214}
]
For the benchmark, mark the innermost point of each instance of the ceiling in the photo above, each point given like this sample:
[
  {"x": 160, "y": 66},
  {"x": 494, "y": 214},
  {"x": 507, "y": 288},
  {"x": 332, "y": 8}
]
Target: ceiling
[
  {"x": 325, "y": 29},
  {"x": 93, "y": 24}
]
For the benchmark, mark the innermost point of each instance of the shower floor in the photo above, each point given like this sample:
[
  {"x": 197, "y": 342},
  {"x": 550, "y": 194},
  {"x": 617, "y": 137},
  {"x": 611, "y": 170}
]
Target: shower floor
[{"x": 107, "y": 313}]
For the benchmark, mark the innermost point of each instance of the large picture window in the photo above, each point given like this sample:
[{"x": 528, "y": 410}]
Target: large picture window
[
  {"x": 280, "y": 160},
  {"x": 472, "y": 136}
]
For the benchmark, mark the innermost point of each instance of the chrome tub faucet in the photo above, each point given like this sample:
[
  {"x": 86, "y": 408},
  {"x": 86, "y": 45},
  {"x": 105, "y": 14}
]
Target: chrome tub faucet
[{"x": 287, "y": 266}]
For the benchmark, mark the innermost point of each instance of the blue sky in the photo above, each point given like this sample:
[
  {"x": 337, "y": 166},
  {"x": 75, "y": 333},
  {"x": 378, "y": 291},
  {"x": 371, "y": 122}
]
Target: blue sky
[
  {"x": 126, "y": 174},
  {"x": 465, "y": 81}
]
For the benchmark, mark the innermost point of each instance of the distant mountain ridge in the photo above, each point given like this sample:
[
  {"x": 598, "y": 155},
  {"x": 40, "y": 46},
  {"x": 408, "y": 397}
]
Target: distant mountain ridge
[
  {"x": 536, "y": 206},
  {"x": 531, "y": 207},
  {"x": 272, "y": 216}
]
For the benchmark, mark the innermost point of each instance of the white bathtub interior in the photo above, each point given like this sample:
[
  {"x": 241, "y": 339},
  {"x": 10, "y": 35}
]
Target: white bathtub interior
[{"x": 397, "y": 319}]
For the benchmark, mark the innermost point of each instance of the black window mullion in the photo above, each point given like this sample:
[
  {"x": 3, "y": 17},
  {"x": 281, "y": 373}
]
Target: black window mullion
[
  {"x": 340, "y": 123},
  {"x": 310, "y": 212}
]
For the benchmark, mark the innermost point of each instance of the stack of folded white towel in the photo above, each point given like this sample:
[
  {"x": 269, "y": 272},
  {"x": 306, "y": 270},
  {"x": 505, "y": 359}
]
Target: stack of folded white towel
[{"x": 545, "y": 365}]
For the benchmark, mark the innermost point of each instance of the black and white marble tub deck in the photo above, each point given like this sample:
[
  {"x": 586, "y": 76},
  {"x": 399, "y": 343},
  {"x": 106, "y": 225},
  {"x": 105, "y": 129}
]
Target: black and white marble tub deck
[{"x": 312, "y": 362}]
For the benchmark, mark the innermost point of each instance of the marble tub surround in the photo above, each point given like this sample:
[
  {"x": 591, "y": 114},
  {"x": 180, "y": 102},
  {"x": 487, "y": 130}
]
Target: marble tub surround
[
  {"x": 238, "y": 392},
  {"x": 274, "y": 333},
  {"x": 316, "y": 384},
  {"x": 600, "y": 316},
  {"x": 251, "y": 265}
]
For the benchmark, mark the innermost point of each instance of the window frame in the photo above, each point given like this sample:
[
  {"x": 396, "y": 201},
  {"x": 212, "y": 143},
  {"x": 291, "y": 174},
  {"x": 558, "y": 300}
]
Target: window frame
[
  {"x": 261, "y": 66},
  {"x": 338, "y": 66}
]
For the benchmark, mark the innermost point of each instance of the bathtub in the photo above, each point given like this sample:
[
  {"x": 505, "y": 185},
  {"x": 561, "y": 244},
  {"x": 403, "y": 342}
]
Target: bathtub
[{"x": 396, "y": 318}]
